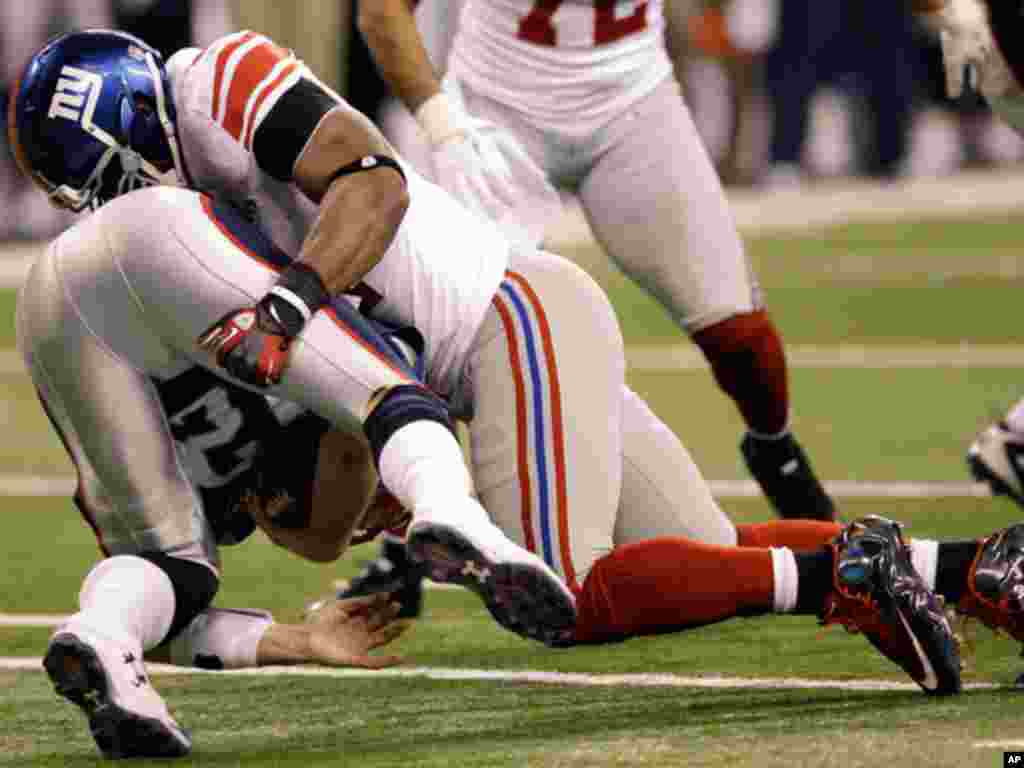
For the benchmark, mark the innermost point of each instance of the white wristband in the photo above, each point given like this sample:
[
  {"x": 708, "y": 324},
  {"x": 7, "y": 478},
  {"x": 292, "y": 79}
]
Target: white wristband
[{"x": 437, "y": 118}]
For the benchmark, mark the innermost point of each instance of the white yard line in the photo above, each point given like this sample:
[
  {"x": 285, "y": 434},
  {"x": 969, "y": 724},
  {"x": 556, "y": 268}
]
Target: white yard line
[
  {"x": 654, "y": 358},
  {"x": 31, "y": 619},
  {"x": 18, "y": 663},
  {"x": 682, "y": 357},
  {"x": 64, "y": 485},
  {"x": 1005, "y": 745}
]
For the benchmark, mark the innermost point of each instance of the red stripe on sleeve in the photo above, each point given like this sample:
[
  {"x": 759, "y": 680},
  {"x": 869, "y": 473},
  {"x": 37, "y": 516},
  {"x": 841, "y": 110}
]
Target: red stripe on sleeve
[
  {"x": 254, "y": 67},
  {"x": 221, "y": 66},
  {"x": 285, "y": 73}
]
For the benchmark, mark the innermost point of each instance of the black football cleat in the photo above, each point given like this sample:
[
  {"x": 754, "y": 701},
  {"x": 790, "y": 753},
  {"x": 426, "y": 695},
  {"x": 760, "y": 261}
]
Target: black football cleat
[
  {"x": 126, "y": 716},
  {"x": 996, "y": 457},
  {"x": 391, "y": 572},
  {"x": 876, "y": 591},
  {"x": 995, "y": 585},
  {"x": 784, "y": 473}
]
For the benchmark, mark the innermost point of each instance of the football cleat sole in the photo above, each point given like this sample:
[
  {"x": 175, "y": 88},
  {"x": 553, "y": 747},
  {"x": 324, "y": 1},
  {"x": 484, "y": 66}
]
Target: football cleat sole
[
  {"x": 981, "y": 472},
  {"x": 78, "y": 675},
  {"x": 523, "y": 597}
]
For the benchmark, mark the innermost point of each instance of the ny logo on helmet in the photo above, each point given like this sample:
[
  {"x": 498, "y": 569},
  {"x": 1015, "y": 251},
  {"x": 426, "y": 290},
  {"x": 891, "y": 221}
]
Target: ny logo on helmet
[{"x": 76, "y": 95}]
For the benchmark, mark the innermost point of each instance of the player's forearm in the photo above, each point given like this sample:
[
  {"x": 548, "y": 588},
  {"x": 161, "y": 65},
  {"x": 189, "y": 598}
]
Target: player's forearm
[
  {"x": 284, "y": 644},
  {"x": 389, "y": 28},
  {"x": 358, "y": 219},
  {"x": 360, "y": 210}
]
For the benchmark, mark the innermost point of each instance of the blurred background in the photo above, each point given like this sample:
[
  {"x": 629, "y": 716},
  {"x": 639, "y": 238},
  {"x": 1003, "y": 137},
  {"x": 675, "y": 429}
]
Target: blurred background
[{"x": 786, "y": 93}]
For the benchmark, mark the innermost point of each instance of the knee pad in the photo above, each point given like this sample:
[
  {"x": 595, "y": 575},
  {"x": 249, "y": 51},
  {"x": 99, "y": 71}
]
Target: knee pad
[
  {"x": 194, "y": 585},
  {"x": 403, "y": 405}
]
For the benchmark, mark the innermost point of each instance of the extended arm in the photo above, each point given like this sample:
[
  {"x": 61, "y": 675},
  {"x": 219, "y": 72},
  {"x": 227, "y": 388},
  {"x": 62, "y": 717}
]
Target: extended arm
[
  {"x": 341, "y": 633},
  {"x": 389, "y": 28}
]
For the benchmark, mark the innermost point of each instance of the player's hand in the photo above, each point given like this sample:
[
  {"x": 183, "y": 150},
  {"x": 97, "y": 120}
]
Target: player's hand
[
  {"x": 486, "y": 169},
  {"x": 969, "y": 52},
  {"x": 250, "y": 344},
  {"x": 343, "y": 632}
]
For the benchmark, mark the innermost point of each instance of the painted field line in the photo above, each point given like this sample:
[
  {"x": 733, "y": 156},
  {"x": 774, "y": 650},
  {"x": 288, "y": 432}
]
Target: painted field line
[
  {"x": 64, "y": 485},
  {"x": 31, "y": 619},
  {"x": 684, "y": 357},
  {"x": 850, "y": 489},
  {"x": 19, "y": 663},
  {"x": 998, "y": 744}
]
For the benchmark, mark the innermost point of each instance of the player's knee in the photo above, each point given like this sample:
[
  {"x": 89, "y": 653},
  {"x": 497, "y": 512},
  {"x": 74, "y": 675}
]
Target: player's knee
[
  {"x": 195, "y": 586},
  {"x": 399, "y": 407}
]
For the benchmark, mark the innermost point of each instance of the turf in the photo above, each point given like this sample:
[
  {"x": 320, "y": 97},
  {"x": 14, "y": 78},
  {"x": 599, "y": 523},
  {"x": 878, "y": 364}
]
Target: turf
[{"x": 947, "y": 282}]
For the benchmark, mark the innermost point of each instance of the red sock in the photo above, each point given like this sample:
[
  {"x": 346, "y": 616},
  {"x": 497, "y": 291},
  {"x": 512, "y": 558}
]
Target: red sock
[
  {"x": 798, "y": 535},
  {"x": 749, "y": 364},
  {"x": 667, "y": 584}
]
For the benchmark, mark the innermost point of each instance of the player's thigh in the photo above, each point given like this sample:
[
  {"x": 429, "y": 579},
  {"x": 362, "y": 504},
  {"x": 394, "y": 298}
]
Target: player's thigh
[
  {"x": 663, "y": 491},
  {"x": 655, "y": 203},
  {"x": 211, "y": 261},
  {"x": 547, "y": 372},
  {"x": 132, "y": 487}
]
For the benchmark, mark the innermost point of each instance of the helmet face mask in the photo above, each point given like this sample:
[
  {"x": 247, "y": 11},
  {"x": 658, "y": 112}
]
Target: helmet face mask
[{"x": 92, "y": 118}]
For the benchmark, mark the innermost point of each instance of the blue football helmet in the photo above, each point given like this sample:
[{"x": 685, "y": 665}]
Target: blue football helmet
[{"x": 92, "y": 118}]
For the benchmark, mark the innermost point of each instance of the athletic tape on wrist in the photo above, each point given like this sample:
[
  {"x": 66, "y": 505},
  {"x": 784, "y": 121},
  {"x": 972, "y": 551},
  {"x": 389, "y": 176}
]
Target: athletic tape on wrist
[
  {"x": 303, "y": 289},
  {"x": 437, "y": 119}
]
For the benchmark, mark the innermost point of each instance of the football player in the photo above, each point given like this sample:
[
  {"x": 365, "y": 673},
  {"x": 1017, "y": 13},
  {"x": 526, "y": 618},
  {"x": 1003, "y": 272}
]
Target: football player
[
  {"x": 122, "y": 298},
  {"x": 130, "y": 300},
  {"x": 585, "y": 91},
  {"x": 981, "y": 49}
]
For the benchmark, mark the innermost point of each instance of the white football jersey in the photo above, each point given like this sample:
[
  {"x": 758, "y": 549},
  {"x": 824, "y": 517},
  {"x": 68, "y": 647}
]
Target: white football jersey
[
  {"x": 569, "y": 64},
  {"x": 444, "y": 265}
]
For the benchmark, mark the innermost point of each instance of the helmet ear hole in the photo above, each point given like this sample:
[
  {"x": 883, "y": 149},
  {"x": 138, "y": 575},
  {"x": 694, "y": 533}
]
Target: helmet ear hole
[{"x": 143, "y": 131}]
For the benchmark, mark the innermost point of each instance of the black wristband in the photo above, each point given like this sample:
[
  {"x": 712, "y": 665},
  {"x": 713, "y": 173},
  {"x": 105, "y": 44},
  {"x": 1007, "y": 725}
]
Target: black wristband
[
  {"x": 302, "y": 289},
  {"x": 367, "y": 163}
]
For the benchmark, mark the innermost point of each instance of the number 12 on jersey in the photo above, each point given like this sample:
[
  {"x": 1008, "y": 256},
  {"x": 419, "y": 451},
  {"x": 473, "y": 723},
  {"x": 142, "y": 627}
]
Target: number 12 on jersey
[{"x": 537, "y": 26}]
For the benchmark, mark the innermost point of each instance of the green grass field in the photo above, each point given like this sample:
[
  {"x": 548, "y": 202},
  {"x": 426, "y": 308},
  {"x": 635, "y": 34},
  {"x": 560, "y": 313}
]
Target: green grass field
[{"x": 894, "y": 285}]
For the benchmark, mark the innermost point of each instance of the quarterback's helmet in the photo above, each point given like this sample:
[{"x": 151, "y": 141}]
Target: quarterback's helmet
[{"x": 92, "y": 118}]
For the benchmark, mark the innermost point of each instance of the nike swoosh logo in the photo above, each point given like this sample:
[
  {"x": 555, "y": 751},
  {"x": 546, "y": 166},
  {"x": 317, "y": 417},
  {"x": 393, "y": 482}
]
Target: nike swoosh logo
[
  {"x": 231, "y": 333},
  {"x": 931, "y": 680}
]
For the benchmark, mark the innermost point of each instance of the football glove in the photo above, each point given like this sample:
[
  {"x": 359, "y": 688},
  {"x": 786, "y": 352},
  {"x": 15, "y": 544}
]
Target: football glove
[
  {"x": 253, "y": 343},
  {"x": 969, "y": 51},
  {"x": 250, "y": 344},
  {"x": 486, "y": 169}
]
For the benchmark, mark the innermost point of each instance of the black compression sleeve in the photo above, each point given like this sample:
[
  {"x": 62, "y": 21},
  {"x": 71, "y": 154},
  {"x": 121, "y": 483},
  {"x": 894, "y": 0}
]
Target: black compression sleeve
[{"x": 281, "y": 137}]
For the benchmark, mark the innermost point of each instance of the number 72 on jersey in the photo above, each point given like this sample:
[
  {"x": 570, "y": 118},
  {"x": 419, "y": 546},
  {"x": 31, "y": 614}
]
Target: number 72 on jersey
[{"x": 538, "y": 27}]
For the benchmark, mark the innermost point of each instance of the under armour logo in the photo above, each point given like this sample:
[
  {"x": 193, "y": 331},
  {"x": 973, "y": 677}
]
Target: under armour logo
[
  {"x": 76, "y": 95},
  {"x": 480, "y": 574}
]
